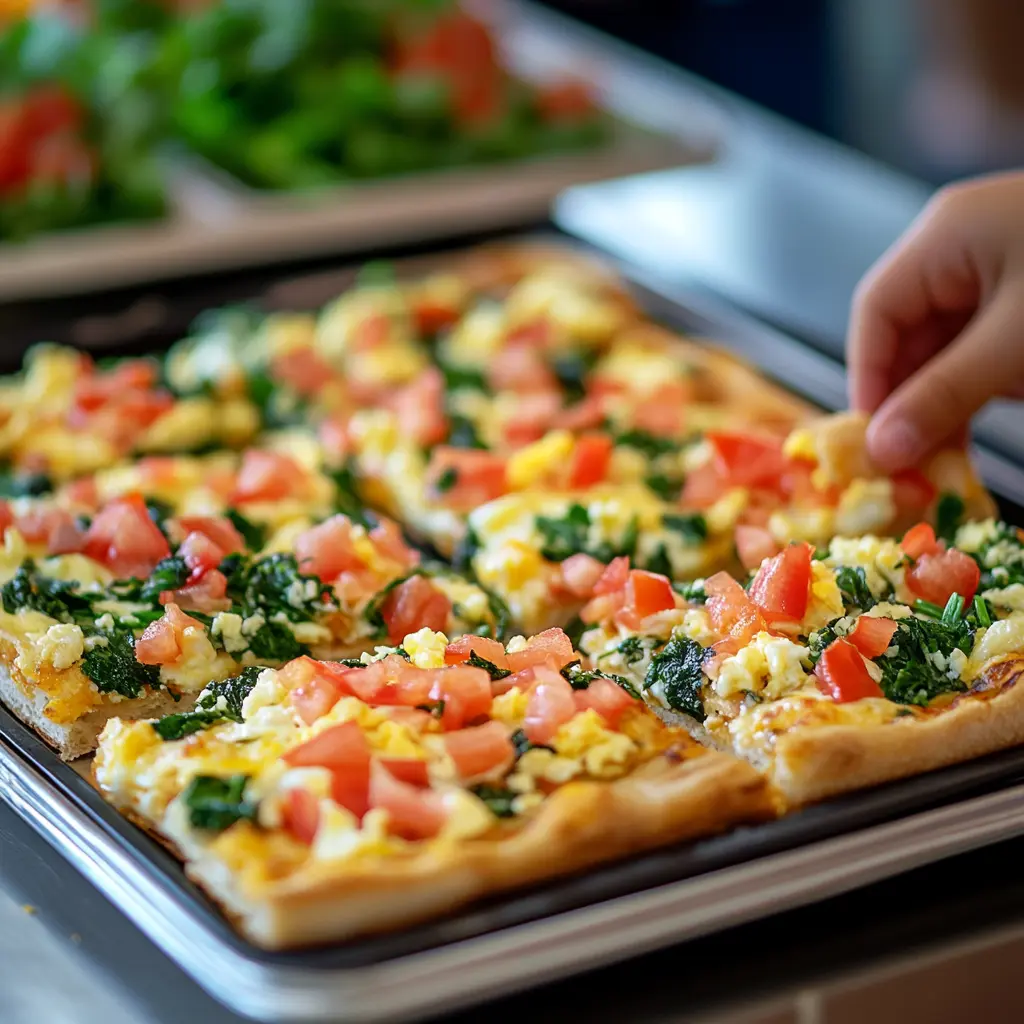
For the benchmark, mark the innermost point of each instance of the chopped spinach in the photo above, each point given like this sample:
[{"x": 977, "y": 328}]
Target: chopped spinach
[
  {"x": 659, "y": 562},
  {"x": 24, "y": 485},
  {"x": 433, "y": 707},
  {"x": 215, "y": 804},
  {"x": 489, "y": 667},
  {"x": 911, "y": 675},
  {"x": 820, "y": 639},
  {"x": 571, "y": 369},
  {"x": 692, "y": 528},
  {"x": 274, "y": 641},
  {"x": 273, "y": 584},
  {"x": 853, "y": 586},
  {"x": 666, "y": 487},
  {"x": 229, "y": 694},
  {"x": 499, "y": 799},
  {"x": 177, "y": 727},
  {"x": 648, "y": 444},
  {"x": 346, "y": 494},
  {"x": 692, "y": 591},
  {"x": 254, "y": 535},
  {"x": 574, "y": 630},
  {"x": 168, "y": 574},
  {"x": 569, "y": 535},
  {"x": 520, "y": 744},
  {"x": 631, "y": 650},
  {"x": 677, "y": 668},
  {"x": 465, "y": 550},
  {"x": 949, "y": 513},
  {"x": 580, "y": 679},
  {"x": 113, "y": 668},
  {"x": 1001, "y": 559},
  {"x": 447, "y": 480},
  {"x": 159, "y": 511},
  {"x": 462, "y": 377},
  {"x": 462, "y": 432},
  {"x": 30, "y": 589}
]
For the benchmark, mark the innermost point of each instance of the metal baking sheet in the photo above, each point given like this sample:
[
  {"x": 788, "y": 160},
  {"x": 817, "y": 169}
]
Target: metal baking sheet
[
  {"x": 660, "y": 120},
  {"x": 518, "y": 940}
]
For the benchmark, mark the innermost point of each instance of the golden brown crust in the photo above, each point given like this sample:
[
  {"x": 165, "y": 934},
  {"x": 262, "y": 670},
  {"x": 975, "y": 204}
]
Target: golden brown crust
[
  {"x": 813, "y": 762},
  {"x": 580, "y": 825}
]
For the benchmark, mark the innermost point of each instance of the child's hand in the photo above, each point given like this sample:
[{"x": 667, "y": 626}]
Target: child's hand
[{"x": 937, "y": 327}]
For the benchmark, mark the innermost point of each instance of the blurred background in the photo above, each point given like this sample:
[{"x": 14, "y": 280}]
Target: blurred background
[{"x": 933, "y": 87}]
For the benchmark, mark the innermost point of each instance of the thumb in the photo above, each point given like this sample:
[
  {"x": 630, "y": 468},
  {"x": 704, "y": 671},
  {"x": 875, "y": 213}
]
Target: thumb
[{"x": 936, "y": 403}]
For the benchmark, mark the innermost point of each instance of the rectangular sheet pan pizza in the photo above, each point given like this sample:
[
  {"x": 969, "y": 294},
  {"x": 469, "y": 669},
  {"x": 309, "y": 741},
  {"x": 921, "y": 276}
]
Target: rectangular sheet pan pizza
[{"x": 473, "y": 578}]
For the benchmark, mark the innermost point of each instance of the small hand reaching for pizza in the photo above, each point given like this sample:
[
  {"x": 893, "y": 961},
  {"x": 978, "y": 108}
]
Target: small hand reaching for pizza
[{"x": 937, "y": 326}]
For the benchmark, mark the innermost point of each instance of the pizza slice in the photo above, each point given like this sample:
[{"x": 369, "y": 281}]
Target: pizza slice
[
  {"x": 845, "y": 667},
  {"x": 321, "y": 801},
  {"x": 134, "y": 611}
]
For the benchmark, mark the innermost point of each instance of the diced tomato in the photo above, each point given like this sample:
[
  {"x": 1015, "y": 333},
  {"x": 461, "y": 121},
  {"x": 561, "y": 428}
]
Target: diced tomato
[
  {"x": 520, "y": 368},
  {"x": 54, "y": 527},
  {"x": 208, "y": 594},
  {"x": 315, "y": 686},
  {"x": 371, "y": 332},
  {"x": 300, "y": 814},
  {"x": 754, "y": 544},
  {"x": 14, "y": 146},
  {"x": 413, "y": 605},
  {"x": 614, "y": 576},
  {"x": 587, "y": 414},
  {"x": 219, "y": 529},
  {"x": 413, "y": 813},
  {"x": 470, "y": 476},
  {"x": 268, "y": 476},
  {"x": 303, "y": 369},
  {"x": 466, "y": 693},
  {"x": 419, "y": 407},
  {"x": 534, "y": 414},
  {"x": 327, "y": 550},
  {"x": 389, "y": 682},
  {"x": 590, "y": 460},
  {"x": 580, "y": 573},
  {"x": 412, "y": 770},
  {"x": 843, "y": 675},
  {"x": 83, "y": 492},
  {"x": 432, "y": 316},
  {"x": 566, "y": 101},
  {"x": 551, "y": 705},
  {"x": 480, "y": 750},
  {"x": 920, "y": 540},
  {"x": 200, "y": 554},
  {"x": 912, "y": 491},
  {"x": 49, "y": 109},
  {"x": 415, "y": 718},
  {"x": 608, "y": 699},
  {"x": 936, "y": 577},
  {"x": 703, "y": 486},
  {"x": 63, "y": 160},
  {"x": 663, "y": 411},
  {"x": 646, "y": 593},
  {"x": 124, "y": 538},
  {"x": 6, "y": 517},
  {"x": 731, "y": 611},
  {"x": 782, "y": 585},
  {"x": 745, "y": 460},
  {"x": 872, "y": 635},
  {"x": 552, "y": 647},
  {"x": 387, "y": 538},
  {"x": 333, "y": 436},
  {"x": 344, "y": 751},
  {"x": 458, "y": 651},
  {"x": 160, "y": 643}
]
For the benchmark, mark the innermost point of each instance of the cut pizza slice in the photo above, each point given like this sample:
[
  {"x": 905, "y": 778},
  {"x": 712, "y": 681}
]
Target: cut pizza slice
[
  {"x": 134, "y": 612},
  {"x": 842, "y": 668},
  {"x": 321, "y": 801}
]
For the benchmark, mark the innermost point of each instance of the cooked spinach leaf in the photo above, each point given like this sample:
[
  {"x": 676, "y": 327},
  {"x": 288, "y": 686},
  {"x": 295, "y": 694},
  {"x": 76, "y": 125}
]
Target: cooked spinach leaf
[
  {"x": 31, "y": 589},
  {"x": 498, "y": 799},
  {"x": 169, "y": 574},
  {"x": 475, "y": 661},
  {"x": 919, "y": 668},
  {"x": 215, "y": 804},
  {"x": 571, "y": 369},
  {"x": 274, "y": 641},
  {"x": 949, "y": 513},
  {"x": 659, "y": 562},
  {"x": 254, "y": 535},
  {"x": 113, "y": 668},
  {"x": 677, "y": 669},
  {"x": 24, "y": 485},
  {"x": 648, "y": 444},
  {"x": 462, "y": 432},
  {"x": 447, "y": 480},
  {"x": 665, "y": 486},
  {"x": 692, "y": 591},
  {"x": 580, "y": 679},
  {"x": 853, "y": 586},
  {"x": 692, "y": 528},
  {"x": 219, "y": 702},
  {"x": 569, "y": 535}
]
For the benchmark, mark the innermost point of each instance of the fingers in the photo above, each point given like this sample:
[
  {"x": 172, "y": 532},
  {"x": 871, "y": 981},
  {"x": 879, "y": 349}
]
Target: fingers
[
  {"x": 935, "y": 404},
  {"x": 925, "y": 277}
]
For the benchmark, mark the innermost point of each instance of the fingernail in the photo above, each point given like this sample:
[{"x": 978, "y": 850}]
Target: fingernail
[{"x": 894, "y": 442}]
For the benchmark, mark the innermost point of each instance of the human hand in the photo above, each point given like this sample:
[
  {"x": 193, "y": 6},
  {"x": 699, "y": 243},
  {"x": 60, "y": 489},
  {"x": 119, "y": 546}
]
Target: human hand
[{"x": 937, "y": 325}]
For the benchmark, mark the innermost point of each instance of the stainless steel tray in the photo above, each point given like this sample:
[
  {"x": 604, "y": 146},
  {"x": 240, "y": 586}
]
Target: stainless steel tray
[{"x": 568, "y": 926}]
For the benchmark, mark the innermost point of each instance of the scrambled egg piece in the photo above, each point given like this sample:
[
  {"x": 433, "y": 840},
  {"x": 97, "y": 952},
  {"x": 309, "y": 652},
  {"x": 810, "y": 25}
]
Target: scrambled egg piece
[
  {"x": 1003, "y": 637},
  {"x": 510, "y": 707},
  {"x": 604, "y": 753},
  {"x": 864, "y": 506},
  {"x": 198, "y": 664},
  {"x": 973, "y": 536},
  {"x": 1010, "y": 598},
  {"x": 881, "y": 559},
  {"x": 541, "y": 460},
  {"x": 426, "y": 648},
  {"x": 826, "y": 602},
  {"x": 769, "y": 665}
]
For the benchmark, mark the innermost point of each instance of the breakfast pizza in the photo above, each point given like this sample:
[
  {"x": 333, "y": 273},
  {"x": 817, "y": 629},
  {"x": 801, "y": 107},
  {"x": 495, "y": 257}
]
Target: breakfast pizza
[
  {"x": 134, "y": 609},
  {"x": 839, "y": 667},
  {"x": 323, "y": 800}
]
